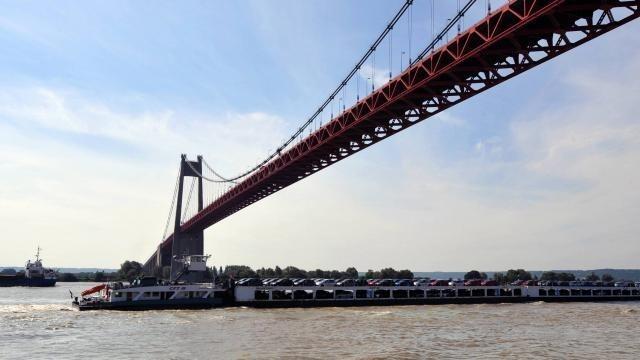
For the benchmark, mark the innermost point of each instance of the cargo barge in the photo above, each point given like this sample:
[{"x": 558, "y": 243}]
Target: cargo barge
[
  {"x": 35, "y": 275},
  {"x": 140, "y": 297},
  {"x": 149, "y": 293},
  {"x": 423, "y": 295}
]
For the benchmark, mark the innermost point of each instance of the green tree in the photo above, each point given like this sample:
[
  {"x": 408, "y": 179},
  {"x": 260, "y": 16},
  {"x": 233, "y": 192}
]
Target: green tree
[
  {"x": 351, "y": 272},
  {"x": 498, "y": 277},
  {"x": 8, "y": 272},
  {"x": 549, "y": 276},
  {"x": 405, "y": 274},
  {"x": 512, "y": 275},
  {"x": 269, "y": 272},
  {"x": 278, "y": 271},
  {"x": 294, "y": 272},
  {"x": 370, "y": 274},
  {"x": 592, "y": 277},
  {"x": 317, "y": 273},
  {"x": 99, "y": 276},
  {"x": 564, "y": 276},
  {"x": 473, "y": 275},
  {"x": 239, "y": 271},
  {"x": 67, "y": 277},
  {"x": 129, "y": 270},
  {"x": 388, "y": 273},
  {"x": 607, "y": 277}
]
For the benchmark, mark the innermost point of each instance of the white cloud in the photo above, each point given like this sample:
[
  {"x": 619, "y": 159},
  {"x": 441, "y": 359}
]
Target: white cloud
[
  {"x": 380, "y": 75},
  {"x": 63, "y": 192},
  {"x": 492, "y": 145},
  {"x": 567, "y": 200}
]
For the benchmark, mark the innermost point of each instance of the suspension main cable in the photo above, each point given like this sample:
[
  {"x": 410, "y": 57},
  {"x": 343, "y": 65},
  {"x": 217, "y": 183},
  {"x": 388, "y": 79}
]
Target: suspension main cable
[
  {"x": 342, "y": 84},
  {"x": 444, "y": 31},
  {"x": 214, "y": 172},
  {"x": 173, "y": 202},
  {"x": 369, "y": 53},
  {"x": 186, "y": 207}
]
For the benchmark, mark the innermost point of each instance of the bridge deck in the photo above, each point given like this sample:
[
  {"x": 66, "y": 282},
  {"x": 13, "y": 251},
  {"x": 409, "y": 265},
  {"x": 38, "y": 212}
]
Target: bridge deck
[{"x": 508, "y": 42}]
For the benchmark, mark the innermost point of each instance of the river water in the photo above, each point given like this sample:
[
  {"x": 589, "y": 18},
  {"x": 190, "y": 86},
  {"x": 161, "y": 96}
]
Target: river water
[{"x": 41, "y": 324}]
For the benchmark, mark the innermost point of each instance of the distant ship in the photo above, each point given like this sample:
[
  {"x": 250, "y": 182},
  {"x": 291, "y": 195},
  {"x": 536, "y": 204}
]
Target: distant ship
[{"x": 35, "y": 275}]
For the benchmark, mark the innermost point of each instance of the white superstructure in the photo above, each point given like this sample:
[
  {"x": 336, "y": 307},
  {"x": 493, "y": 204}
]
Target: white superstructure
[{"x": 35, "y": 270}]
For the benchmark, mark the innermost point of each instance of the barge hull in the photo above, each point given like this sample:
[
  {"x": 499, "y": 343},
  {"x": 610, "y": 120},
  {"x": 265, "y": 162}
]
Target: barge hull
[
  {"x": 426, "y": 301},
  {"x": 10, "y": 281},
  {"x": 191, "y": 304}
]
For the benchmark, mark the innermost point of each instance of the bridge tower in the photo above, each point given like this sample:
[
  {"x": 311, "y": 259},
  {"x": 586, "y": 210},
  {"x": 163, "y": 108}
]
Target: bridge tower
[{"x": 190, "y": 242}]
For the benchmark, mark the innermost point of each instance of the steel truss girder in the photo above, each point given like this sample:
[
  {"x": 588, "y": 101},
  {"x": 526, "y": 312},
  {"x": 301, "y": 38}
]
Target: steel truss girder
[{"x": 515, "y": 38}]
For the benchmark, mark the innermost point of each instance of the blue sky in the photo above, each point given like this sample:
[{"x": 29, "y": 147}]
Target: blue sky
[{"x": 97, "y": 101}]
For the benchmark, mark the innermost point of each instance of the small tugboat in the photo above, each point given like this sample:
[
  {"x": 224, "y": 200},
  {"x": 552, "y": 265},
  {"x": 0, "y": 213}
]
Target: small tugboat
[
  {"x": 35, "y": 275},
  {"x": 149, "y": 293}
]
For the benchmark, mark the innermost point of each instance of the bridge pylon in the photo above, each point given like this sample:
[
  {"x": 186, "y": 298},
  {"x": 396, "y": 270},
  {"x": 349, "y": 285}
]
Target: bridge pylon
[{"x": 190, "y": 242}]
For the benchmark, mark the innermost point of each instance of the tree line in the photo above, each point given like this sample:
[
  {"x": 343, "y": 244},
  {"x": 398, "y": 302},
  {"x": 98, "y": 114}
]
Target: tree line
[
  {"x": 512, "y": 275},
  {"x": 130, "y": 270},
  {"x": 243, "y": 271}
]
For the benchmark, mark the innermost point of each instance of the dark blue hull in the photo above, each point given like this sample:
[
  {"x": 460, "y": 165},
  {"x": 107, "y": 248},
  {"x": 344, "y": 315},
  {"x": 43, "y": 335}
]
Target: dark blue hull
[
  {"x": 7, "y": 281},
  {"x": 207, "y": 303}
]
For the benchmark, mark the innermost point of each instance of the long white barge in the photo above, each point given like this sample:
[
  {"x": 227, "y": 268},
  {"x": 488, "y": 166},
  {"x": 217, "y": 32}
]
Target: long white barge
[
  {"x": 182, "y": 296},
  {"x": 150, "y": 293},
  {"x": 263, "y": 296}
]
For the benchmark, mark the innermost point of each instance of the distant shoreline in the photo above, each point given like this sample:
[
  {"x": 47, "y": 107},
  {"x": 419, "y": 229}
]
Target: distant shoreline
[{"x": 626, "y": 274}]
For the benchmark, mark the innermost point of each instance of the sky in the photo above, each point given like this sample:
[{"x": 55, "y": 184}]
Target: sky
[{"x": 99, "y": 99}]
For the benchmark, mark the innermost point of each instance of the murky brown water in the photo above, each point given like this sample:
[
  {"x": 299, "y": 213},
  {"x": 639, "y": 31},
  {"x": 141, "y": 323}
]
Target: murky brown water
[{"x": 40, "y": 324}]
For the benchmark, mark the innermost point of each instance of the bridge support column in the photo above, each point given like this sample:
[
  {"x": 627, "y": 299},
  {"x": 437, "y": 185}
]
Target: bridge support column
[{"x": 192, "y": 242}]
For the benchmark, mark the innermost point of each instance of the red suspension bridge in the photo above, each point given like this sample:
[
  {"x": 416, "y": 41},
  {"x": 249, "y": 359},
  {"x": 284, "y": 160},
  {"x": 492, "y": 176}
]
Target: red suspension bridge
[{"x": 508, "y": 41}]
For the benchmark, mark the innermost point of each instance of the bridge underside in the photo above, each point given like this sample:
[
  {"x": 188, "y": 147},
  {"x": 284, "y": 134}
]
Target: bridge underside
[
  {"x": 191, "y": 243},
  {"x": 513, "y": 39}
]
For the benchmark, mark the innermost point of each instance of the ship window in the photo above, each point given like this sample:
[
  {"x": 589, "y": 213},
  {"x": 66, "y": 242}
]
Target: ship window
[
  {"x": 400, "y": 294},
  {"x": 449, "y": 293},
  {"x": 344, "y": 294},
  {"x": 302, "y": 294},
  {"x": 281, "y": 295},
  {"x": 155, "y": 294},
  {"x": 324, "y": 294},
  {"x": 261, "y": 295},
  {"x": 381, "y": 294}
]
